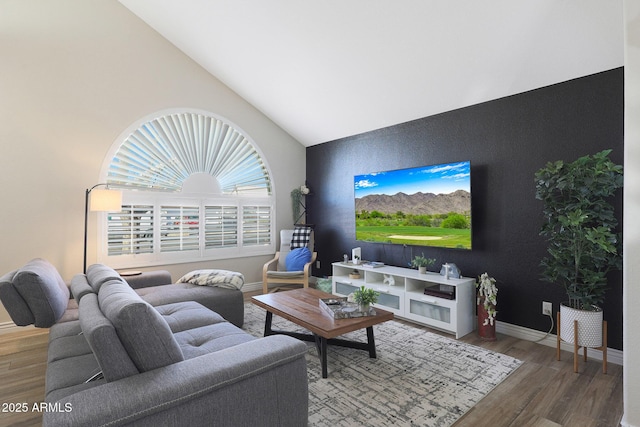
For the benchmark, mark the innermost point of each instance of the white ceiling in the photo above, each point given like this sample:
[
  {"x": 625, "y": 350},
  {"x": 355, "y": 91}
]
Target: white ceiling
[{"x": 324, "y": 70}]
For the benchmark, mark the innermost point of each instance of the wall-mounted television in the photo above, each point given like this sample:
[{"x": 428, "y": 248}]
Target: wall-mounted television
[{"x": 422, "y": 206}]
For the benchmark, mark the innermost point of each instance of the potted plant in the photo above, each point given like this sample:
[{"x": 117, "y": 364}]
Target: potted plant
[
  {"x": 365, "y": 297},
  {"x": 296, "y": 201},
  {"x": 486, "y": 299},
  {"x": 421, "y": 263},
  {"x": 580, "y": 228}
]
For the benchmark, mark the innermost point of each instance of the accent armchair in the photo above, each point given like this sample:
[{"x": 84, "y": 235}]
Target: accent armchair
[{"x": 275, "y": 271}]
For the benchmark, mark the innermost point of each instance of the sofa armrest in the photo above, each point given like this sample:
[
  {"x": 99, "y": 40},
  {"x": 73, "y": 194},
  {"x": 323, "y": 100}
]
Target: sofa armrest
[
  {"x": 261, "y": 382},
  {"x": 148, "y": 278}
]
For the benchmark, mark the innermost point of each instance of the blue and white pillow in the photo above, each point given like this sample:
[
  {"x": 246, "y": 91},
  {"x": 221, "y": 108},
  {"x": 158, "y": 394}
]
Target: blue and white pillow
[{"x": 297, "y": 258}]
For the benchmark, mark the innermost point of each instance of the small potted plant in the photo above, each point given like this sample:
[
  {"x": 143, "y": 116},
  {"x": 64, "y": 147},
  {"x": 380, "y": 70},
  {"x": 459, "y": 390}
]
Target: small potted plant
[
  {"x": 421, "y": 263},
  {"x": 487, "y": 299},
  {"x": 365, "y": 297}
]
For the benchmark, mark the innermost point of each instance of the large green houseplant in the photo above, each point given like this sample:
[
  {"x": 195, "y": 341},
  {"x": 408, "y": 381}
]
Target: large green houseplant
[{"x": 580, "y": 226}]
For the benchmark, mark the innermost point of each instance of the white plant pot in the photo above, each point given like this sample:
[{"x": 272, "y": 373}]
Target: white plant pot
[
  {"x": 589, "y": 326},
  {"x": 422, "y": 270}
]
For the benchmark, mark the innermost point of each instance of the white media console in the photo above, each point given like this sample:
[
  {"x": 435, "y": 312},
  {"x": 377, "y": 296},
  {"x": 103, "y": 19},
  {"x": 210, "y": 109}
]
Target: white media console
[{"x": 448, "y": 306}]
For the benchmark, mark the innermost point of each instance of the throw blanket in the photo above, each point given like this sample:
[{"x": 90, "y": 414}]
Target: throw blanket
[{"x": 219, "y": 278}]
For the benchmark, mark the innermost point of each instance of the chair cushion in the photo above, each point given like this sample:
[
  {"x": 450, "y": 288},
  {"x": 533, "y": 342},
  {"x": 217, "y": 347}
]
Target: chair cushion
[
  {"x": 44, "y": 291},
  {"x": 297, "y": 258},
  {"x": 300, "y": 237}
]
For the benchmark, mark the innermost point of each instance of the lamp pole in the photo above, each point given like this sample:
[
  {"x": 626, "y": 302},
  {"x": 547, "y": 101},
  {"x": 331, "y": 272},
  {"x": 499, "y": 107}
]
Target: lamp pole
[{"x": 114, "y": 204}]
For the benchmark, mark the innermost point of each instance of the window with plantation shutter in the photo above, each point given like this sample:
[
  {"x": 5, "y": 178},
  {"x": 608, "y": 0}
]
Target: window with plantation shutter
[
  {"x": 256, "y": 225},
  {"x": 179, "y": 228},
  {"x": 195, "y": 188},
  {"x": 221, "y": 226},
  {"x": 130, "y": 231}
]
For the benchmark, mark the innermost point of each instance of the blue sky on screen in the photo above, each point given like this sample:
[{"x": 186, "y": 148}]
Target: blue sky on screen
[{"x": 437, "y": 179}]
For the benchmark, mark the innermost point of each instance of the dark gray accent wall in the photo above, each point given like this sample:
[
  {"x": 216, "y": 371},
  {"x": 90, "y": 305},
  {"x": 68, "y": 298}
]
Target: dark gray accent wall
[{"x": 507, "y": 141}]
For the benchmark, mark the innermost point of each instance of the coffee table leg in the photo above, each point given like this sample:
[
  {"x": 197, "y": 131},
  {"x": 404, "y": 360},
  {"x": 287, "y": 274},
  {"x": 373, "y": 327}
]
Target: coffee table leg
[
  {"x": 371, "y": 343},
  {"x": 267, "y": 324},
  {"x": 321, "y": 345}
]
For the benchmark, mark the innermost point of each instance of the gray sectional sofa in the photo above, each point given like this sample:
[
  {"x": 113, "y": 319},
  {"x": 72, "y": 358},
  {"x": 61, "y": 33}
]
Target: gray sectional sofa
[{"x": 128, "y": 362}]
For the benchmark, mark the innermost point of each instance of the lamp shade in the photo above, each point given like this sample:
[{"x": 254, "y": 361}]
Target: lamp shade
[{"x": 104, "y": 200}]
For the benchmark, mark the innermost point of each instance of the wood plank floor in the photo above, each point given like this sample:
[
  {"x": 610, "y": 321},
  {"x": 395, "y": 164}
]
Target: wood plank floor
[{"x": 543, "y": 392}]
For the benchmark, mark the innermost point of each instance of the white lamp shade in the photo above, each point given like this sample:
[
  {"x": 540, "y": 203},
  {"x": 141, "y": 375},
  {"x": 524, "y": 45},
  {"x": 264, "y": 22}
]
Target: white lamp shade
[{"x": 105, "y": 200}]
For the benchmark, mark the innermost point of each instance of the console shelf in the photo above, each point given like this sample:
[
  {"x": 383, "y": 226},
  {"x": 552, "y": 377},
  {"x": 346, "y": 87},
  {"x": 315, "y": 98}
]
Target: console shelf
[{"x": 448, "y": 306}]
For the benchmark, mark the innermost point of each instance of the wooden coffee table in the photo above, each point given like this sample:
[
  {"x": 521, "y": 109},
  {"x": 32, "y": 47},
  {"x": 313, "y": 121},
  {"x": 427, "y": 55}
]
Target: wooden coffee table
[{"x": 301, "y": 306}]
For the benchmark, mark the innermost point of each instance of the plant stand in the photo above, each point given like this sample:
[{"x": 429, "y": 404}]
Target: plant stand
[
  {"x": 576, "y": 348},
  {"x": 486, "y": 332}
]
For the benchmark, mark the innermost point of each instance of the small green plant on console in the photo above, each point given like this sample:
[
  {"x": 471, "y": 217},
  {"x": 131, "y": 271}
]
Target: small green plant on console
[
  {"x": 365, "y": 296},
  {"x": 420, "y": 261}
]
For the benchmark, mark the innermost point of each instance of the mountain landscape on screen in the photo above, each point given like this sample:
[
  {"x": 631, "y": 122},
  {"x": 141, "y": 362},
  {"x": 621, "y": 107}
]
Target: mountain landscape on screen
[{"x": 424, "y": 206}]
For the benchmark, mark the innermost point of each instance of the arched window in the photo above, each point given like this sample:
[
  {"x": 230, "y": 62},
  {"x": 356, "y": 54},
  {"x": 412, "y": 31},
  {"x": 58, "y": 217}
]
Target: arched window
[{"x": 194, "y": 188}]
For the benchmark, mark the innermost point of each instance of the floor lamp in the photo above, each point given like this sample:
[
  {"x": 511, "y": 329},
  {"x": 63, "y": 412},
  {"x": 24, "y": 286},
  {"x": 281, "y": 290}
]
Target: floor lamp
[{"x": 101, "y": 200}]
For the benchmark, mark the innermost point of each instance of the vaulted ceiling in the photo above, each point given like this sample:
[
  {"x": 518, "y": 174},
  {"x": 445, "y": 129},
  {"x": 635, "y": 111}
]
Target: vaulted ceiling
[{"x": 324, "y": 70}]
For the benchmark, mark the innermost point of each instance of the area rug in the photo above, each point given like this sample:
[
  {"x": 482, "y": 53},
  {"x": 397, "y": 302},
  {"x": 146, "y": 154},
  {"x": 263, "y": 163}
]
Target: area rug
[{"x": 418, "y": 378}]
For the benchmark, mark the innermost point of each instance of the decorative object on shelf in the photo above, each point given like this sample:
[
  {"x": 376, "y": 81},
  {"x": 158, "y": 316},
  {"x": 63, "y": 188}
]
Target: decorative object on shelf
[
  {"x": 341, "y": 308},
  {"x": 297, "y": 205},
  {"x": 450, "y": 270},
  {"x": 364, "y": 297},
  {"x": 356, "y": 255},
  {"x": 486, "y": 299},
  {"x": 583, "y": 243},
  {"x": 355, "y": 274},
  {"x": 421, "y": 263},
  {"x": 389, "y": 280}
]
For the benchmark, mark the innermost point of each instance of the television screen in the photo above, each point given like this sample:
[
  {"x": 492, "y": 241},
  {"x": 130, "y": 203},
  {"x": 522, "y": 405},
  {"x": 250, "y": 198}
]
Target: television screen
[{"x": 423, "y": 206}]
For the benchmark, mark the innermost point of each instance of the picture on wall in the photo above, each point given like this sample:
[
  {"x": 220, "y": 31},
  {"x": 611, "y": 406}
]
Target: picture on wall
[{"x": 422, "y": 206}]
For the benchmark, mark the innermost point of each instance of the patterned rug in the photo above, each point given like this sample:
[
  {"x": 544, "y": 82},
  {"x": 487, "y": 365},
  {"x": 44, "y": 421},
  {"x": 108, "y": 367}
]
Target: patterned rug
[{"x": 418, "y": 378}]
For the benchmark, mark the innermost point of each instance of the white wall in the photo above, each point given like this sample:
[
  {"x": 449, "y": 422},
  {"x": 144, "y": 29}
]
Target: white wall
[
  {"x": 631, "y": 337},
  {"x": 74, "y": 74}
]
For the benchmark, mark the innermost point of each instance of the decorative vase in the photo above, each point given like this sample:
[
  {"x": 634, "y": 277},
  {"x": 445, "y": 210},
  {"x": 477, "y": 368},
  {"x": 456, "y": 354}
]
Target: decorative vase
[
  {"x": 364, "y": 307},
  {"x": 589, "y": 326},
  {"x": 485, "y": 331},
  {"x": 422, "y": 270}
]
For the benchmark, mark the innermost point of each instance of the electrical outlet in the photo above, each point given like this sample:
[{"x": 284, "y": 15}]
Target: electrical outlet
[
  {"x": 547, "y": 308},
  {"x": 318, "y": 264}
]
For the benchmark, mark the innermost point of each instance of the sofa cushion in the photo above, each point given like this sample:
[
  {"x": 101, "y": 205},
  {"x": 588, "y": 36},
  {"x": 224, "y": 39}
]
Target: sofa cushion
[
  {"x": 104, "y": 342},
  {"x": 181, "y": 316},
  {"x": 44, "y": 291},
  {"x": 99, "y": 274},
  {"x": 211, "y": 338},
  {"x": 80, "y": 286},
  {"x": 13, "y": 302},
  {"x": 70, "y": 372},
  {"x": 228, "y": 303},
  {"x": 143, "y": 332}
]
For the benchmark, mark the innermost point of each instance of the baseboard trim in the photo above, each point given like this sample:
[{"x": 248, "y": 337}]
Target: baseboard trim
[
  {"x": 550, "y": 340},
  {"x": 9, "y": 327}
]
